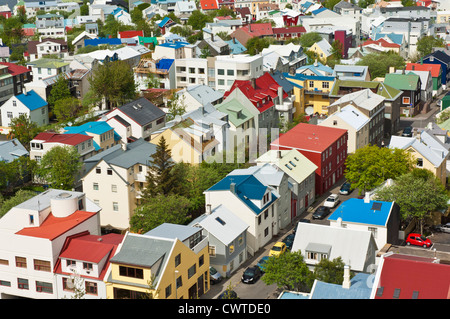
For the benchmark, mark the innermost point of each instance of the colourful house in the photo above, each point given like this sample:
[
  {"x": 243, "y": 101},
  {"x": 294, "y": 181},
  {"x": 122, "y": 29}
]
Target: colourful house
[
  {"x": 435, "y": 70},
  {"x": 169, "y": 262}
]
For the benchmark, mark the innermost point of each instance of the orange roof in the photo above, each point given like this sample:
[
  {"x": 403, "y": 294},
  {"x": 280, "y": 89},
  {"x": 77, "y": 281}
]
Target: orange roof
[
  {"x": 53, "y": 227},
  {"x": 382, "y": 42},
  {"x": 209, "y": 4},
  {"x": 435, "y": 69}
]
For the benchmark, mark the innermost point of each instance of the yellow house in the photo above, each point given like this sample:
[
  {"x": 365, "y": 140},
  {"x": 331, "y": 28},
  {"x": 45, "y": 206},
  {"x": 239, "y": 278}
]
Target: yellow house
[
  {"x": 311, "y": 93},
  {"x": 322, "y": 50},
  {"x": 169, "y": 262},
  {"x": 188, "y": 142}
]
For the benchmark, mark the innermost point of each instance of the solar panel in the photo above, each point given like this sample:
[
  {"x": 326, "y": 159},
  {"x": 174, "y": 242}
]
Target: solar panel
[{"x": 376, "y": 206}]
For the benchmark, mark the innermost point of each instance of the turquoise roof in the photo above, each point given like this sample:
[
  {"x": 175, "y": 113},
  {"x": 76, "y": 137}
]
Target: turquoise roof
[{"x": 99, "y": 127}]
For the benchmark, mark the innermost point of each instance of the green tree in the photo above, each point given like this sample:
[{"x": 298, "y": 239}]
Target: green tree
[
  {"x": 379, "y": 63},
  {"x": 59, "y": 91},
  {"x": 330, "y": 271},
  {"x": 371, "y": 165},
  {"x": 308, "y": 39},
  {"x": 23, "y": 129},
  {"x": 365, "y": 3},
  {"x": 256, "y": 45},
  {"x": 426, "y": 43},
  {"x": 113, "y": 82},
  {"x": 59, "y": 166},
  {"x": 289, "y": 271},
  {"x": 175, "y": 106},
  {"x": 417, "y": 193},
  {"x": 160, "y": 178},
  {"x": 197, "y": 20},
  {"x": 329, "y": 4},
  {"x": 19, "y": 197},
  {"x": 68, "y": 109},
  {"x": 160, "y": 209},
  {"x": 11, "y": 31}
]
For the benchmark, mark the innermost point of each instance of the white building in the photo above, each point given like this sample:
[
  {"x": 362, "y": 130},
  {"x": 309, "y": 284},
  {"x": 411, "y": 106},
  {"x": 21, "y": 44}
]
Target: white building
[
  {"x": 33, "y": 233},
  {"x": 191, "y": 71},
  {"x": 28, "y": 103}
]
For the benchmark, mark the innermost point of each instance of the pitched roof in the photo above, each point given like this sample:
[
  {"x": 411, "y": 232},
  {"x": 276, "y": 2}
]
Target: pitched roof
[
  {"x": 237, "y": 113},
  {"x": 11, "y": 149},
  {"x": 285, "y": 30},
  {"x": 209, "y": 4},
  {"x": 359, "y": 289},
  {"x": 130, "y": 34},
  {"x": 352, "y": 116},
  {"x": 435, "y": 69},
  {"x": 440, "y": 55},
  {"x": 408, "y": 81},
  {"x": 257, "y": 29},
  {"x": 15, "y": 69},
  {"x": 381, "y": 42},
  {"x": 98, "y": 127},
  {"x": 365, "y": 99},
  {"x": 142, "y": 111},
  {"x": 68, "y": 139},
  {"x": 398, "y": 276},
  {"x": 31, "y": 100},
  {"x": 309, "y": 137}
]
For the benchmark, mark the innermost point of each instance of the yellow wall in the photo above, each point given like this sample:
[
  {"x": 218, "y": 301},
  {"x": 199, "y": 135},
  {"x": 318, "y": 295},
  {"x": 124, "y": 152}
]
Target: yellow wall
[
  {"x": 168, "y": 277},
  {"x": 319, "y": 53},
  {"x": 440, "y": 172},
  {"x": 181, "y": 151},
  {"x": 303, "y": 99}
]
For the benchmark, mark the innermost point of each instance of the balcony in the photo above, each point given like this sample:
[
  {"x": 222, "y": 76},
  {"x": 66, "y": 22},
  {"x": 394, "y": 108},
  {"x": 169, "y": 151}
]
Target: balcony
[
  {"x": 317, "y": 91},
  {"x": 202, "y": 244},
  {"x": 140, "y": 177},
  {"x": 286, "y": 106}
]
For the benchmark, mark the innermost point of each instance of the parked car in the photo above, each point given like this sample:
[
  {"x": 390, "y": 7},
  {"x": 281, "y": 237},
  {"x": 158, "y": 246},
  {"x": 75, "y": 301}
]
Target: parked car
[
  {"x": 277, "y": 249},
  {"x": 321, "y": 212},
  {"x": 345, "y": 189},
  {"x": 407, "y": 131},
  {"x": 332, "y": 200},
  {"x": 214, "y": 276},
  {"x": 251, "y": 275},
  {"x": 228, "y": 294},
  {"x": 418, "y": 240},
  {"x": 262, "y": 262},
  {"x": 289, "y": 240},
  {"x": 443, "y": 228},
  {"x": 303, "y": 220}
]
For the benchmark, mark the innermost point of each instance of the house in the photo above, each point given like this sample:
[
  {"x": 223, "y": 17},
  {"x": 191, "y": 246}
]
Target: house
[
  {"x": 122, "y": 16},
  {"x": 50, "y": 25},
  {"x": 358, "y": 287},
  {"x": 45, "y": 47},
  {"x": 316, "y": 68},
  {"x": 7, "y": 84},
  {"x": 208, "y": 5},
  {"x": 113, "y": 179},
  {"x": 136, "y": 119},
  {"x": 316, "y": 90},
  {"x": 426, "y": 86},
  {"x": 174, "y": 50},
  {"x": 379, "y": 217},
  {"x": 227, "y": 239},
  {"x": 351, "y": 72},
  {"x": 163, "y": 70},
  {"x": 301, "y": 177},
  {"x": 212, "y": 44},
  {"x": 439, "y": 57},
  {"x": 410, "y": 85},
  {"x": 45, "y": 68},
  {"x": 20, "y": 76},
  {"x": 381, "y": 45},
  {"x": 321, "y": 50},
  {"x": 165, "y": 24},
  {"x": 195, "y": 96},
  {"x": 427, "y": 151},
  {"x": 235, "y": 46},
  {"x": 356, "y": 248},
  {"x": 102, "y": 133},
  {"x": 252, "y": 201},
  {"x": 354, "y": 121},
  {"x": 11, "y": 150},
  {"x": 5, "y": 11},
  {"x": 372, "y": 106},
  {"x": 170, "y": 262},
  {"x": 396, "y": 278},
  {"x": 291, "y": 52},
  {"x": 252, "y": 30},
  {"x": 83, "y": 263},
  {"x": 28, "y": 103},
  {"x": 434, "y": 69},
  {"x": 33, "y": 234},
  {"x": 325, "y": 146},
  {"x": 45, "y": 141},
  {"x": 191, "y": 72},
  {"x": 391, "y": 95},
  {"x": 335, "y": 33}
]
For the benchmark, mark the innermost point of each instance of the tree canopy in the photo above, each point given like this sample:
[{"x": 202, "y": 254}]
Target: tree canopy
[
  {"x": 379, "y": 63},
  {"x": 426, "y": 43},
  {"x": 309, "y": 38},
  {"x": 23, "y": 129}
]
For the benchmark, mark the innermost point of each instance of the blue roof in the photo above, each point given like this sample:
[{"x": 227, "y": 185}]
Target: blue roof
[
  {"x": 99, "y": 41},
  {"x": 164, "y": 64},
  {"x": 359, "y": 289},
  {"x": 397, "y": 38},
  {"x": 174, "y": 45},
  {"x": 235, "y": 46},
  {"x": 31, "y": 100},
  {"x": 163, "y": 22},
  {"x": 319, "y": 67},
  {"x": 247, "y": 188},
  {"x": 304, "y": 77},
  {"x": 355, "y": 210},
  {"x": 99, "y": 127},
  {"x": 319, "y": 10}
]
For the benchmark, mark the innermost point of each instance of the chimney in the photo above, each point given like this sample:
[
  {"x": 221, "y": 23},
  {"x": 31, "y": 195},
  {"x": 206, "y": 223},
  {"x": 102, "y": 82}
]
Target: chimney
[
  {"x": 391, "y": 69},
  {"x": 278, "y": 154},
  {"x": 208, "y": 209},
  {"x": 346, "y": 283},
  {"x": 253, "y": 80},
  {"x": 233, "y": 188},
  {"x": 367, "y": 197}
]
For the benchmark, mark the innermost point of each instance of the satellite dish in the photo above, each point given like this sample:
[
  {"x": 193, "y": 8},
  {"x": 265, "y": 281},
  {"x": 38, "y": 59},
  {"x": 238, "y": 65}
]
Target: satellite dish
[{"x": 309, "y": 110}]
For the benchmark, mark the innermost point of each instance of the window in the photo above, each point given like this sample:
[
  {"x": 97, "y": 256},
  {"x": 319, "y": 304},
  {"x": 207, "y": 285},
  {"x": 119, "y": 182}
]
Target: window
[
  {"x": 87, "y": 266},
  {"x": 131, "y": 272},
  {"x": 115, "y": 206},
  {"x": 192, "y": 271},
  {"x": 179, "y": 282},
  {"x": 9, "y": 115},
  {"x": 98, "y": 170},
  {"x": 325, "y": 85},
  {"x": 230, "y": 72},
  {"x": 406, "y": 100},
  {"x": 420, "y": 162},
  {"x": 109, "y": 171},
  {"x": 21, "y": 262},
  {"x": 14, "y": 103},
  {"x": 177, "y": 260},
  {"x": 396, "y": 293},
  {"x": 212, "y": 251},
  {"x": 22, "y": 283},
  {"x": 70, "y": 263},
  {"x": 311, "y": 84},
  {"x": 266, "y": 232},
  {"x": 31, "y": 219},
  {"x": 201, "y": 260},
  {"x": 95, "y": 186},
  {"x": 5, "y": 283},
  {"x": 220, "y": 71},
  {"x": 221, "y": 82},
  {"x": 4, "y": 262},
  {"x": 168, "y": 290},
  {"x": 42, "y": 265},
  {"x": 44, "y": 287},
  {"x": 91, "y": 288}
]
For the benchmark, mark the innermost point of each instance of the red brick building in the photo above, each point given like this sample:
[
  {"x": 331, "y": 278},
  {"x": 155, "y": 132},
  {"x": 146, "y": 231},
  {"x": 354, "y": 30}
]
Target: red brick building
[{"x": 324, "y": 146}]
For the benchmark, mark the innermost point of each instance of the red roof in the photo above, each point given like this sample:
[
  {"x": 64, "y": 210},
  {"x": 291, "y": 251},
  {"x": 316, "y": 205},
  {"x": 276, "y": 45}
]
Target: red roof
[
  {"x": 209, "y": 4},
  {"x": 15, "y": 69},
  {"x": 382, "y": 42},
  {"x": 435, "y": 69},
  {"x": 68, "y": 139},
  {"x": 53, "y": 227},
  {"x": 266, "y": 89},
  {"x": 309, "y": 137},
  {"x": 296, "y": 29},
  {"x": 412, "y": 274},
  {"x": 257, "y": 29},
  {"x": 130, "y": 34}
]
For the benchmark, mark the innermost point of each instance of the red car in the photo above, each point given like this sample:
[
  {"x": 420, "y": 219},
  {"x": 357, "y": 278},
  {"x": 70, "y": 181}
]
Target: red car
[{"x": 418, "y": 240}]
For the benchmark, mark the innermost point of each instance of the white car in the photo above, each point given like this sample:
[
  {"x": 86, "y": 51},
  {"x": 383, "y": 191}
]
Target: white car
[
  {"x": 332, "y": 200},
  {"x": 443, "y": 228}
]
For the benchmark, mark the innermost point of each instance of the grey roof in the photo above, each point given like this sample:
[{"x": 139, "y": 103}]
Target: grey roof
[
  {"x": 142, "y": 111},
  {"x": 173, "y": 231},
  {"x": 11, "y": 150},
  {"x": 203, "y": 93},
  {"x": 42, "y": 200},
  {"x": 287, "y": 85},
  {"x": 346, "y": 5}
]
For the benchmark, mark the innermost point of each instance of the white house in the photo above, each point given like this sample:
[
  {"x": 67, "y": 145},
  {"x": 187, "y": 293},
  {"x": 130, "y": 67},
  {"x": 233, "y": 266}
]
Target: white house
[
  {"x": 28, "y": 103},
  {"x": 191, "y": 71},
  {"x": 198, "y": 95},
  {"x": 33, "y": 233}
]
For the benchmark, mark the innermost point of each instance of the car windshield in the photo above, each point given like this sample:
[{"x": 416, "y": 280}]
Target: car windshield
[
  {"x": 423, "y": 238},
  {"x": 249, "y": 272},
  {"x": 330, "y": 199},
  {"x": 212, "y": 271},
  {"x": 276, "y": 248}
]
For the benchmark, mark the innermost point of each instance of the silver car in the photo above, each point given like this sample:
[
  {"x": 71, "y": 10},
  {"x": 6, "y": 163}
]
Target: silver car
[{"x": 445, "y": 228}]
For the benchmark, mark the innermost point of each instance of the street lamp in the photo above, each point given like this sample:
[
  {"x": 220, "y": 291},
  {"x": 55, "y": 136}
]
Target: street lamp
[{"x": 176, "y": 288}]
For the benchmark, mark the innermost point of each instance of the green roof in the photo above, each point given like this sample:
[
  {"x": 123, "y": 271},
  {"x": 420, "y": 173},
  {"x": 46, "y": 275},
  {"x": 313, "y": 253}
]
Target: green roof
[
  {"x": 383, "y": 89},
  {"x": 48, "y": 63},
  {"x": 402, "y": 81},
  {"x": 234, "y": 107}
]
